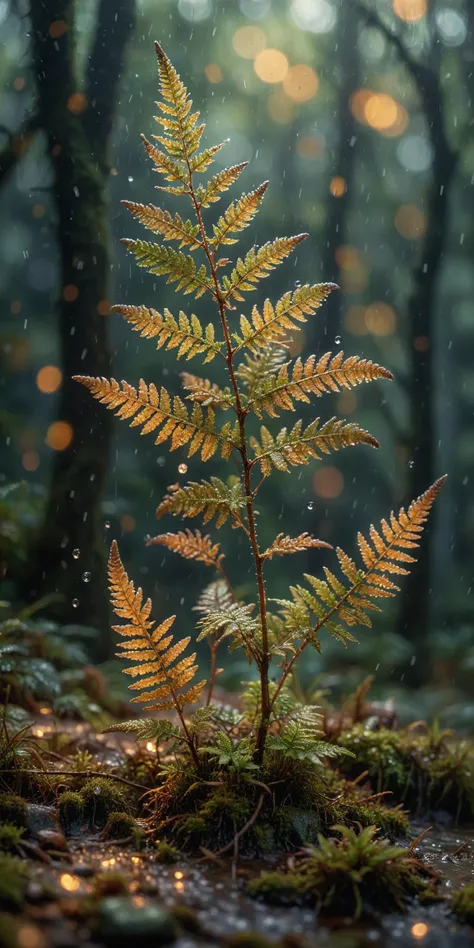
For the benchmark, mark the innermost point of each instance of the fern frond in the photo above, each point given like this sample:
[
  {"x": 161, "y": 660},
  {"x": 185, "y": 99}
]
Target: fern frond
[
  {"x": 211, "y": 192},
  {"x": 283, "y": 544},
  {"x": 238, "y": 216},
  {"x": 191, "y": 545},
  {"x": 205, "y": 392},
  {"x": 185, "y": 334},
  {"x": 200, "y": 162},
  {"x": 180, "y": 125},
  {"x": 299, "y": 446},
  {"x": 145, "y": 729},
  {"x": 211, "y": 498},
  {"x": 259, "y": 366},
  {"x": 154, "y": 410},
  {"x": 299, "y": 738},
  {"x": 215, "y": 597},
  {"x": 275, "y": 322},
  {"x": 235, "y": 621},
  {"x": 162, "y": 222},
  {"x": 257, "y": 264},
  {"x": 164, "y": 260},
  {"x": 170, "y": 169},
  {"x": 150, "y": 646},
  {"x": 315, "y": 377}
]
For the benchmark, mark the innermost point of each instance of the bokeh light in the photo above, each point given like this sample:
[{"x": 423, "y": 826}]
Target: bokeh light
[
  {"x": 347, "y": 257},
  {"x": 30, "y": 461},
  {"x": 316, "y": 16},
  {"x": 309, "y": 146},
  {"x": 379, "y": 111},
  {"x": 411, "y": 11},
  {"x": 328, "y": 482},
  {"x": 380, "y": 319},
  {"x": 70, "y": 293},
  {"x": 248, "y": 41},
  {"x": 452, "y": 27},
  {"x": 280, "y": 107},
  {"x": 410, "y": 221},
  {"x": 271, "y": 65},
  {"x": 301, "y": 83},
  {"x": 29, "y": 936},
  {"x": 69, "y": 882},
  {"x": 213, "y": 73},
  {"x": 59, "y": 435},
  {"x": 194, "y": 10},
  {"x": 128, "y": 523},
  {"x": 103, "y": 307},
  {"x": 355, "y": 320},
  {"x": 347, "y": 403},
  {"x": 57, "y": 28},
  {"x": 48, "y": 379},
  {"x": 77, "y": 103},
  {"x": 337, "y": 186},
  {"x": 419, "y": 929}
]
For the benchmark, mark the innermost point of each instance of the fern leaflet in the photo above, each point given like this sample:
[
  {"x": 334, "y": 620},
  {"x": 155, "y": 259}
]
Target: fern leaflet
[
  {"x": 212, "y": 498},
  {"x": 298, "y": 446},
  {"x": 275, "y": 322},
  {"x": 185, "y": 334},
  {"x": 191, "y": 545}
]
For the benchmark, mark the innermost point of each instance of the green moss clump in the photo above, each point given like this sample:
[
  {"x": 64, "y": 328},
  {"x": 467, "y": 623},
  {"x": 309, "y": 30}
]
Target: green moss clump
[
  {"x": 462, "y": 903},
  {"x": 109, "y": 883},
  {"x": 165, "y": 853},
  {"x": 13, "y": 878},
  {"x": 354, "y": 875},
  {"x": 187, "y": 920},
  {"x": 123, "y": 826},
  {"x": 13, "y": 809},
  {"x": 71, "y": 807},
  {"x": 101, "y": 797},
  {"x": 10, "y": 838}
]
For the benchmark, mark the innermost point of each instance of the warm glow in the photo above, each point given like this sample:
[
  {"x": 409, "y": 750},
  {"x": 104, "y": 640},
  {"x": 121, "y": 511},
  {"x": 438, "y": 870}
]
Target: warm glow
[
  {"x": 411, "y": 11},
  {"x": 248, "y": 41},
  {"x": 301, "y": 83},
  {"x": 38, "y": 210},
  {"x": 309, "y": 146},
  {"x": 347, "y": 257},
  {"x": 57, "y": 28},
  {"x": 77, "y": 103},
  {"x": 380, "y": 111},
  {"x": 107, "y": 863},
  {"x": 151, "y": 747},
  {"x": 136, "y": 860},
  {"x": 213, "y": 73},
  {"x": 328, "y": 482},
  {"x": 48, "y": 379},
  {"x": 280, "y": 107},
  {"x": 68, "y": 882},
  {"x": 178, "y": 875},
  {"x": 30, "y": 460},
  {"x": 337, "y": 186},
  {"x": 410, "y": 221},
  {"x": 127, "y": 523},
  {"x": 28, "y": 936},
  {"x": 271, "y": 65},
  {"x": 179, "y": 886},
  {"x": 15, "y": 307},
  {"x": 347, "y": 402},
  {"x": 103, "y": 307},
  {"x": 19, "y": 83},
  {"x": 355, "y": 320},
  {"x": 421, "y": 343},
  {"x": 380, "y": 319},
  {"x": 354, "y": 281},
  {"x": 46, "y": 710},
  {"x": 419, "y": 930},
  {"x": 70, "y": 293},
  {"x": 59, "y": 435}
]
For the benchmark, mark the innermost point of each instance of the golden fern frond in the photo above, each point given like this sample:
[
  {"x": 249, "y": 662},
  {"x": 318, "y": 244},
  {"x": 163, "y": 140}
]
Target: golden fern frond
[
  {"x": 284, "y": 544},
  {"x": 182, "y": 134},
  {"x": 259, "y": 366},
  {"x": 211, "y": 498},
  {"x": 170, "y": 169},
  {"x": 191, "y": 545},
  {"x": 315, "y": 377},
  {"x": 298, "y": 446},
  {"x": 162, "y": 222},
  {"x": 186, "y": 334},
  {"x": 153, "y": 409},
  {"x": 274, "y": 323},
  {"x": 179, "y": 267},
  {"x": 238, "y": 215},
  {"x": 257, "y": 264},
  {"x": 205, "y": 392},
  {"x": 150, "y": 646},
  {"x": 348, "y": 599},
  {"x": 211, "y": 192}
]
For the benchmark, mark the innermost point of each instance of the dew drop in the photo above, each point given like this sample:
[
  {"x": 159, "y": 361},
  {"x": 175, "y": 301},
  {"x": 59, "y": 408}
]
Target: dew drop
[
  {"x": 310, "y": 505},
  {"x": 107, "y": 525},
  {"x": 147, "y": 537},
  {"x": 76, "y": 554},
  {"x": 411, "y": 464},
  {"x": 75, "y": 603},
  {"x": 130, "y": 178},
  {"x": 86, "y": 577},
  {"x": 297, "y": 283},
  {"x": 338, "y": 340},
  {"x": 182, "y": 468}
]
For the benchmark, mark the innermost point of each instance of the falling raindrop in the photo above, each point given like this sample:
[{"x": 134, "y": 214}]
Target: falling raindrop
[
  {"x": 75, "y": 603},
  {"x": 107, "y": 525},
  {"x": 411, "y": 464},
  {"x": 147, "y": 537},
  {"x": 338, "y": 340},
  {"x": 130, "y": 178},
  {"x": 297, "y": 283},
  {"x": 76, "y": 554},
  {"x": 86, "y": 577},
  {"x": 182, "y": 468},
  {"x": 310, "y": 505}
]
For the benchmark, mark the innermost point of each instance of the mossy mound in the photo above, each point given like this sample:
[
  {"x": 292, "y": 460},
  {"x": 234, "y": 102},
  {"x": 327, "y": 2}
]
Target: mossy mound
[
  {"x": 353, "y": 874},
  {"x": 71, "y": 810},
  {"x": 124, "y": 827},
  {"x": 101, "y": 797},
  {"x": 462, "y": 903},
  {"x": 13, "y": 878},
  {"x": 10, "y": 838},
  {"x": 13, "y": 809}
]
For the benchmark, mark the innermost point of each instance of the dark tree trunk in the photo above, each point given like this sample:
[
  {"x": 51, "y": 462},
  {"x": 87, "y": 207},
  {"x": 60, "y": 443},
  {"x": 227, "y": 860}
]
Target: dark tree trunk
[{"x": 77, "y": 141}]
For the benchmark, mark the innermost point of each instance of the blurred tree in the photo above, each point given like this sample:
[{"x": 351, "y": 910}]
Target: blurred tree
[{"x": 77, "y": 114}]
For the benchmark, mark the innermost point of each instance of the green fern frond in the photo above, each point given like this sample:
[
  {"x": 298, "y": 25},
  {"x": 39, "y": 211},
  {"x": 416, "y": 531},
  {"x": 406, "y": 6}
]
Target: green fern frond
[
  {"x": 153, "y": 409},
  {"x": 257, "y": 264},
  {"x": 180, "y": 268},
  {"x": 299, "y": 738},
  {"x": 259, "y": 366},
  {"x": 186, "y": 333},
  {"x": 214, "y": 598},
  {"x": 170, "y": 169},
  {"x": 207, "y": 393},
  {"x": 275, "y": 322},
  {"x": 235, "y": 621},
  {"x": 313, "y": 377},
  {"x": 162, "y": 222},
  {"x": 211, "y": 192},
  {"x": 299, "y": 446},
  {"x": 146, "y": 729},
  {"x": 211, "y": 498},
  {"x": 238, "y": 216}
]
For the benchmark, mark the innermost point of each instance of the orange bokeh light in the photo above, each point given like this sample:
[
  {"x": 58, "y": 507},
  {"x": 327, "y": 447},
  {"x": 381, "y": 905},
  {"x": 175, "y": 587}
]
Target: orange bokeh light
[
  {"x": 379, "y": 111},
  {"x": 77, "y": 103},
  {"x": 410, "y": 221},
  {"x": 69, "y": 882},
  {"x": 271, "y": 65},
  {"x": 380, "y": 319},
  {"x": 48, "y": 379},
  {"x": 213, "y": 73},
  {"x": 127, "y": 523},
  {"x": 411, "y": 11},
  {"x": 30, "y": 460},
  {"x": 355, "y": 320},
  {"x": 29, "y": 936},
  {"x": 248, "y": 41},
  {"x": 103, "y": 307},
  {"x": 301, "y": 83},
  {"x": 19, "y": 83},
  {"x": 347, "y": 257},
  {"x": 57, "y": 28},
  {"x": 70, "y": 293},
  {"x": 309, "y": 146},
  {"x": 59, "y": 435},
  {"x": 328, "y": 483},
  {"x": 419, "y": 930},
  {"x": 337, "y": 186},
  {"x": 280, "y": 108}
]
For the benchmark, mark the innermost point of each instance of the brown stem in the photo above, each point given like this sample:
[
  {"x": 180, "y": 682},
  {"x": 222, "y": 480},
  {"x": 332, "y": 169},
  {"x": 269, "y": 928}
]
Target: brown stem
[{"x": 212, "y": 675}]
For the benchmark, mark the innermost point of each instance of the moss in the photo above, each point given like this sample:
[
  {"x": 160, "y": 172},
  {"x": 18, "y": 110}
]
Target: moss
[
  {"x": 71, "y": 807},
  {"x": 462, "y": 903},
  {"x": 13, "y": 878},
  {"x": 354, "y": 875},
  {"x": 187, "y": 920},
  {"x": 101, "y": 797},
  {"x": 10, "y": 838},
  {"x": 123, "y": 826},
  {"x": 166, "y": 853},
  {"x": 109, "y": 883},
  {"x": 13, "y": 809}
]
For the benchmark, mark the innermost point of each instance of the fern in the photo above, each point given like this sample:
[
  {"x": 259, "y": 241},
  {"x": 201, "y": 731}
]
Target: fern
[
  {"x": 261, "y": 381},
  {"x": 146, "y": 729}
]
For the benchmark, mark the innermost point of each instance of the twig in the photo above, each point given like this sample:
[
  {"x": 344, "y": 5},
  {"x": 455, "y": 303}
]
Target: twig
[
  {"x": 78, "y": 773},
  {"x": 418, "y": 839}
]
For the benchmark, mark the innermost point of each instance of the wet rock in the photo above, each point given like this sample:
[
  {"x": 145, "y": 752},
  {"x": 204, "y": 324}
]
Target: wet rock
[
  {"x": 121, "y": 919},
  {"x": 83, "y": 870},
  {"x": 52, "y": 840},
  {"x": 42, "y": 818}
]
